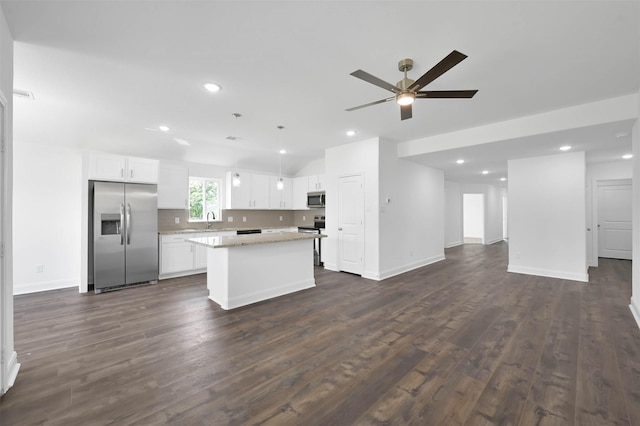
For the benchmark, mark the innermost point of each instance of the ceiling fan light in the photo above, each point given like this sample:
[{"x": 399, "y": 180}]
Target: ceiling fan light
[{"x": 405, "y": 98}]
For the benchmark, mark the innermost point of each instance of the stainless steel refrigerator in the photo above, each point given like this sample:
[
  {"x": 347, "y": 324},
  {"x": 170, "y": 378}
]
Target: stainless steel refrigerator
[{"x": 125, "y": 234}]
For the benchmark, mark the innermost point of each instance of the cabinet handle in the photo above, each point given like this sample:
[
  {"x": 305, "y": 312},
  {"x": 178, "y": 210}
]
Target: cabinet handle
[
  {"x": 131, "y": 173},
  {"x": 122, "y": 172}
]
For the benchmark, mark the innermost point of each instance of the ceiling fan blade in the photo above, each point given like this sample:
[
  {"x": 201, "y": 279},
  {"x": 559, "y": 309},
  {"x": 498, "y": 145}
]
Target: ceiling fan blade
[
  {"x": 405, "y": 112},
  {"x": 452, "y": 59},
  {"x": 446, "y": 94},
  {"x": 363, "y": 75},
  {"x": 381, "y": 101}
]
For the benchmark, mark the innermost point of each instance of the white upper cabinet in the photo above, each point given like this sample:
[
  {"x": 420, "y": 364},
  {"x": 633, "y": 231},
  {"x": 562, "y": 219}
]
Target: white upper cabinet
[
  {"x": 173, "y": 187},
  {"x": 280, "y": 199},
  {"x": 142, "y": 170},
  {"x": 252, "y": 193},
  {"x": 316, "y": 183},
  {"x": 122, "y": 169},
  {"x": 300, "y": 190}
]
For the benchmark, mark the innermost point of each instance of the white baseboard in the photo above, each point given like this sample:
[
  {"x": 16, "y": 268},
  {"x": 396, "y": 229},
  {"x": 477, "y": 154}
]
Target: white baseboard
[
  {"x": 182, "y": 273},
  {"x": 453, "y": 244},
  {"x": 548, "y": 273},
  {"x": 635, "y": 310},
  {"x": 498, "y": 240},
  {"x": 247, "y": 299},
  {"x": 410, "y": 267},
  {"x": 43, "y": 286},
  {"x": 331, "y": 267},
  {"x": 12, "y": 372}
]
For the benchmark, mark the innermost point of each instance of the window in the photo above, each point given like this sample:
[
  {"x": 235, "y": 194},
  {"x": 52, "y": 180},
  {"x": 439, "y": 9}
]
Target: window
[{"x": 204, "y": 197}]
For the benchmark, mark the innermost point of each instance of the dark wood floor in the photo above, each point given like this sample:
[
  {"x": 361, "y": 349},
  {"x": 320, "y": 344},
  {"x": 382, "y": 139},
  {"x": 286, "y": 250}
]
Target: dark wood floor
[{"x": 458, "y": 342}]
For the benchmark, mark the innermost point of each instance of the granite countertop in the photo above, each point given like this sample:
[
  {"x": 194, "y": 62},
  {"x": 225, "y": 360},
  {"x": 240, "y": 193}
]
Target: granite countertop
[
  {"x": 201, "y": 230},
  {"x": 252, "y": 239}
]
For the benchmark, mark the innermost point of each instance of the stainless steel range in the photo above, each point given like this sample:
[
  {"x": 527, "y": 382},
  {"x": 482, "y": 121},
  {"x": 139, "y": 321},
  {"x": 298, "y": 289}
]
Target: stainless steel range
[{"x": 317, "y": 228}]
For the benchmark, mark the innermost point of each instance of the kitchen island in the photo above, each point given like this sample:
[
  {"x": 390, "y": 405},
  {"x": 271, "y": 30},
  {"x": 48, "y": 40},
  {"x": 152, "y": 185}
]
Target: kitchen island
[{"x": 245, "y": 269}]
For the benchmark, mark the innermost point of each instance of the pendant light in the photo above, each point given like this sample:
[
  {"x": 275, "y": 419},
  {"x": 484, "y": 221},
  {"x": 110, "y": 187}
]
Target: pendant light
[
  {"x": 280, "y": 181},
  {"x": 235, "y": 179}
]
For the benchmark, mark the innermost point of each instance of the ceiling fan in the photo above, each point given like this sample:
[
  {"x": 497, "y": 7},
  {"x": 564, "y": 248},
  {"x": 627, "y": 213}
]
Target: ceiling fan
[{"x": 407, "y": 90}]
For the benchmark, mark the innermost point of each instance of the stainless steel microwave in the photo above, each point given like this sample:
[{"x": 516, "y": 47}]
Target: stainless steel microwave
[{"x": 315, "y": 199}]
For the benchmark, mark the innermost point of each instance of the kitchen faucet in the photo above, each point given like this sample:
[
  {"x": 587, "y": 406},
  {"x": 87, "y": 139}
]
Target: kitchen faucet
[{"x": 213, "y": 217}]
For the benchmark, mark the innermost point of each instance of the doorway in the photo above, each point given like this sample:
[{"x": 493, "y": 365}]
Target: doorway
[
  {"x": 614, "y": 216},
  {"x": 350, "y": 224},
  {"x": 473, "y": 218}
]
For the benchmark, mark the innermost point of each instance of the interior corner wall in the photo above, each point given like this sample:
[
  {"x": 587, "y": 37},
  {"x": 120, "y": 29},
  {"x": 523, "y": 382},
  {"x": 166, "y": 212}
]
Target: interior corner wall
[
  {"x": 492, "y": 210},
  {"x": 9, "y": 365},
  {"x": 47, "y": 213},
  {"x": 547, "y": 214},
  {"x": 622, "y": 169},
  {"x": 343, "y": 160},
  {"x": 411, "y": 199},
  {"x": 635, "y": 275},
  {"x": 452, "y": 214}
]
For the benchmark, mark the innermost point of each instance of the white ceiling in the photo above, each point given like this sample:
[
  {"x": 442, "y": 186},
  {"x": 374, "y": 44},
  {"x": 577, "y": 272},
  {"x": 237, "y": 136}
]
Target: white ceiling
[{"x": 103, "y": 71}]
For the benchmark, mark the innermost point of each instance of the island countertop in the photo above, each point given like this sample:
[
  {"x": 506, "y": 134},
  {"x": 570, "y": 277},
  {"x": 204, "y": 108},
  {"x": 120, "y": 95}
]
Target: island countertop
[{"x": 252, "y": 239}]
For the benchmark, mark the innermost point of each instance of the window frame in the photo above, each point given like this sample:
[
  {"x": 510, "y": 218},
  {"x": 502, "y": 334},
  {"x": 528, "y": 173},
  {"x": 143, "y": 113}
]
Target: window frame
[{"x": 218, "y": 211}]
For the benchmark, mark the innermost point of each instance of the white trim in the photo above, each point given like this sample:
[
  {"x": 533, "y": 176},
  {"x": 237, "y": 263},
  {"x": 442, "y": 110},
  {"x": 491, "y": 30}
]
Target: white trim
[
  {"x": 43, "y": 286},
  {"x": 331, "y": 267},
  {"x": 182, "y": 273},
  {"x": 549, "y": 273},
  {"x": 635, "y": 310},
  {"x": 12, "y": 369},
  {"x": 259, "y": 296},
  {"x": 497, "y": 240},
  {"x": 410, "y": 267},
  {"x": 453, "y": 244}
]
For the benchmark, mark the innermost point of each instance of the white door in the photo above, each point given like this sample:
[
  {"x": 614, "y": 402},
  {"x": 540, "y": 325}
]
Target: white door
[
  {"x": 350, "y": 224},
  {"x": 473, "y": 218},
  {"x": 614, "y": 219}
]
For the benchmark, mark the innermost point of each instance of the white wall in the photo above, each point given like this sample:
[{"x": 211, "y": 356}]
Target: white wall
[
  {"x": 622, "y": 169},
  {"x": 9, "y": 366},
  {"x": 635, "y": 291},
  {"x": 315, "y": 167},
  {"x": 473, "y": 216},
  {"x": 411, "y": 224},
  {"x": 492, "y": 209},
  {"x": 354, "y": 158},
  {"x": 452, "y": 214},
  {"x": 47, "y": 211},
  {"x": 547, "y": 216}
]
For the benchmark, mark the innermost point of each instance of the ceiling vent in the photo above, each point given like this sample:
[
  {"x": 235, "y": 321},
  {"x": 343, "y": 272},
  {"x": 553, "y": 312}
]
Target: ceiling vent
[{"x": 24, "y": 94}]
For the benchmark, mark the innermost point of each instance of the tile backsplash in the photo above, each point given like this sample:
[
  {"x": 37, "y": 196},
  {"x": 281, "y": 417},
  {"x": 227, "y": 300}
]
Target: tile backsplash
[{"x": 254, "y": 219}]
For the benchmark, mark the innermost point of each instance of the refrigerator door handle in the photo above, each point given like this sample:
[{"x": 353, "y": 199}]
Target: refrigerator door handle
[
  {"x": 121, "y": 224},
  {"x": 128, "y": 223}
]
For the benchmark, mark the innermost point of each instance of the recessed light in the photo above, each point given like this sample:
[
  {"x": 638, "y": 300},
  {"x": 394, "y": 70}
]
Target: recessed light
[
  {"x": 212, "y": 87},
  {"x": 460, "y": 161},
  {"x": 485, "y": 172},
  {"x": 565, "y": 148},
  {"x": 627, "y": 156},
  {"x": 181, "y": 141},
  {"x": 503, "y": 179},
  {"x": 351, "y": 132},
  {"x": 283, "y": 151},
  {"x": 164, "y": 128}
]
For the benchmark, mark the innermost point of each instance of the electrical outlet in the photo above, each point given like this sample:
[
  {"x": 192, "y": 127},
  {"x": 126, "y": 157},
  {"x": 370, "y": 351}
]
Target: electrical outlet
[
  {"x": 280, "y": 218},
  {"x": 177, "y": 220},
  {"x": 244, "y": 218},
  {"x": 39, "y": 269},
  {"x": 304, "y": 218},
  {"x": 230, "y": 219}
]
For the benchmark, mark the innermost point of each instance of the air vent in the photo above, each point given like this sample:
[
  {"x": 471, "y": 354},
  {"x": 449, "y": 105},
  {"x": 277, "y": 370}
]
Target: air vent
[{"x": 24, "y": 94}]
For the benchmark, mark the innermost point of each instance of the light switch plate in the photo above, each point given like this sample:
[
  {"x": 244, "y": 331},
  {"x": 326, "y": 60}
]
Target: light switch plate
[
  {"x": 177, "y": 220},
  {"x": 230, "y": 219}
]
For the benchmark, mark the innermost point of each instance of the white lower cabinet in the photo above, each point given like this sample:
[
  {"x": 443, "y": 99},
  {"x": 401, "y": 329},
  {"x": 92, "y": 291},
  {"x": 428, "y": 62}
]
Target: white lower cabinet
[{"x": 179, "y": 257}]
